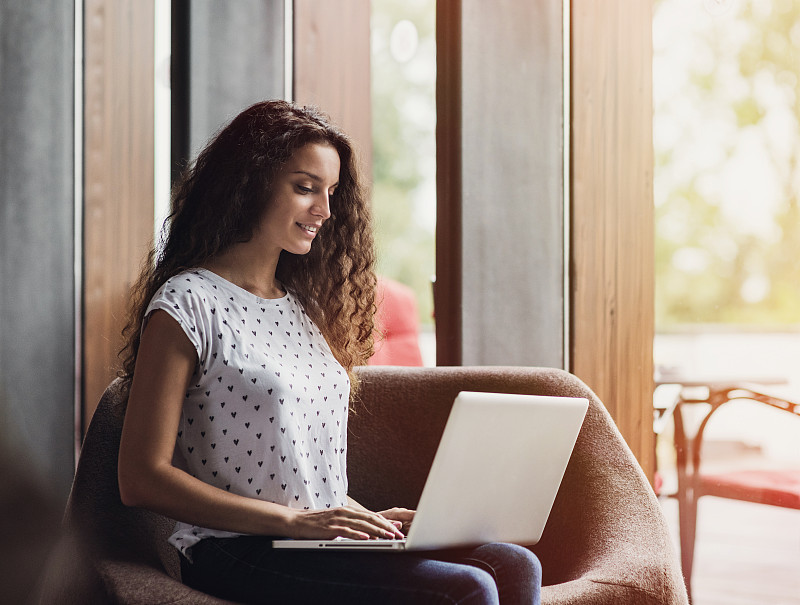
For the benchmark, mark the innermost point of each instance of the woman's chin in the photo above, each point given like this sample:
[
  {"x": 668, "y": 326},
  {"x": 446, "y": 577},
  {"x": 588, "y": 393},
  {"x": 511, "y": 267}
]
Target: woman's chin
[{"x": 299, "y": 249}]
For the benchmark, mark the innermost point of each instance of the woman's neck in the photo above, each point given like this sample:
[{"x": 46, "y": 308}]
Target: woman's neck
[{"x": 240, "y": 266}]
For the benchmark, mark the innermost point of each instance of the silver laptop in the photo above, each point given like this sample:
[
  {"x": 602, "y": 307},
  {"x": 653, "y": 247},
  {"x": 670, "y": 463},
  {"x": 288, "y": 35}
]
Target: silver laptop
[{"x": 494, "y": 477}]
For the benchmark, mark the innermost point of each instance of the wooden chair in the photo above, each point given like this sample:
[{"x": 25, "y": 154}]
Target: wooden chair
[
  {"x": 606, "y": 540},
  {"x": 772, "y": 487}
]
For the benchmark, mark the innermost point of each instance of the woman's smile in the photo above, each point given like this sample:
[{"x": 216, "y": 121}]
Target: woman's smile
[{"x": 311, "y": 229}]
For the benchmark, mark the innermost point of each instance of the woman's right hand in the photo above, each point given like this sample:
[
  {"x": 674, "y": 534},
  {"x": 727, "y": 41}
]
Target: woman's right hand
[{"x": 345, "y": 521}]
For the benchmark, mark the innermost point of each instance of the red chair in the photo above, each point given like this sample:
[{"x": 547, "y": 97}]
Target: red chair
[
  {"x": 773, "y": 487},
  {"x": 396, "y": 326}
]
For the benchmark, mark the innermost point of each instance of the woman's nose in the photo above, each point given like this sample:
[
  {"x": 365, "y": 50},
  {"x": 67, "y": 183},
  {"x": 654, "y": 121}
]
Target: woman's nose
[{"x": 322, "y": 207}]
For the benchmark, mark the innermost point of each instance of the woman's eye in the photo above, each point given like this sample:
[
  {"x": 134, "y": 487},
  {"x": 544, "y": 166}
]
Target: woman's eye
[{"x": 303, "y": 189}]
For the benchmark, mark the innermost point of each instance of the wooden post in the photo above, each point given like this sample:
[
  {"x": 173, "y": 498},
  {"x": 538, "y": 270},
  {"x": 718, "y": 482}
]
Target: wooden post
[
  {"x": 612, "y": 253},
  {"x": 118, "y": 176}
]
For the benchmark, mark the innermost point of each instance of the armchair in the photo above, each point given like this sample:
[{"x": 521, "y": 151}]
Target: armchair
[{"x": 606, "y": 540}]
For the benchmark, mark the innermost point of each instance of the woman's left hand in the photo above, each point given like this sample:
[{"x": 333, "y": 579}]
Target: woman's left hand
[{"x": 403, "y": 516}]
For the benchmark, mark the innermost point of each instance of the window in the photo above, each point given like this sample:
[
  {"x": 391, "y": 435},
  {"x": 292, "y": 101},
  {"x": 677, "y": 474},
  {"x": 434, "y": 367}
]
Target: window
[
  {"x": 404, "y": 150},
  {"x": 727, "y": 178}
]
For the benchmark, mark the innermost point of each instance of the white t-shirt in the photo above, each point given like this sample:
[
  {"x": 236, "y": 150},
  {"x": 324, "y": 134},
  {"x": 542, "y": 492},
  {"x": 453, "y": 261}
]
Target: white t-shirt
[{"x": 265, "y": 415}]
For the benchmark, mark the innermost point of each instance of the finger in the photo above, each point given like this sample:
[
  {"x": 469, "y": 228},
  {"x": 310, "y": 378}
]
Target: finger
[
  {"x": 385, "y": 525},
  {"x": 332, "y": 524},
  {"x": 399, "y": 514},
  {"x": 363, "y": 522},
  {"x": 337, "y": 522},
  {"x": 374, "y": 525},
  {"x": 378, "y": 530},
  {"x": 394, "y": 528},
  {"x": 347, "y": 532},
  {"x": 398, "y": 529}
]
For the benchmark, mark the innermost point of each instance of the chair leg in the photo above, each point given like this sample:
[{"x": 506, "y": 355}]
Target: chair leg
[
  {"x": 687, "y": 503},
  {"x": 687, "y": 513}
]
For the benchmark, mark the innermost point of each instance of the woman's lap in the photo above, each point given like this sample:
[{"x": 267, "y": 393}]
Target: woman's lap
[{"x": 248, "y": 570}]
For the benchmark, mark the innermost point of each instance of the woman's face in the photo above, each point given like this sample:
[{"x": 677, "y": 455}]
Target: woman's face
[{"x": 300, "y": 201}]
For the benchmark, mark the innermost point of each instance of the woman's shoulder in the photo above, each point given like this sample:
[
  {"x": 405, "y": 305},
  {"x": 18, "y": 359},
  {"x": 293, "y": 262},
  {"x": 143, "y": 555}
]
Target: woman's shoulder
[
  {"x": 189, "y": 286},
  {"x": 185, "y": 298}
]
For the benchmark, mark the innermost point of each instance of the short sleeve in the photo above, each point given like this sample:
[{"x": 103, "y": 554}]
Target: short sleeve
[{"x": 186, "y": 305}]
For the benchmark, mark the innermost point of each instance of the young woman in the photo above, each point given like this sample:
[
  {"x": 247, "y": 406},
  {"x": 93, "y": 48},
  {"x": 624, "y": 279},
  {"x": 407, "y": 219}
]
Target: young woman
[{"x": 244, "y": 329}]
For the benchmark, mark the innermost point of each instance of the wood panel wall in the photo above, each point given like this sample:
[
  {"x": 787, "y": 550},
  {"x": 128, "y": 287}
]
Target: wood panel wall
[
  {"x": 612, "y": 236},
  {"x": 118, "y": 176},
  {"x": 332, "y": 67}
]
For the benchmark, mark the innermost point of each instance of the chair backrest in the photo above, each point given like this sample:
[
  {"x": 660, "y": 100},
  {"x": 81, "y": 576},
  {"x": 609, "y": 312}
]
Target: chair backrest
[{"x": 95, "y": 510}]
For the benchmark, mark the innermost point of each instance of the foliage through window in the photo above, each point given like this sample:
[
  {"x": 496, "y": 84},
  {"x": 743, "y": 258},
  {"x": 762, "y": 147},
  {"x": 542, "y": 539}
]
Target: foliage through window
[
  {"x": 404, "y": 144},
  {"x": 727, "y": 149}
]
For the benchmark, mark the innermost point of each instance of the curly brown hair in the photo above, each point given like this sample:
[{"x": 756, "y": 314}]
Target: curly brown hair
[{"x": 218, "y": 202}]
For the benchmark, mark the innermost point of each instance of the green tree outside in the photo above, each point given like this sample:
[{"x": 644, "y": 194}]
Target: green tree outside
[
  {"x": 404, "y": 143},
  {"x": 727, "y": 174}
]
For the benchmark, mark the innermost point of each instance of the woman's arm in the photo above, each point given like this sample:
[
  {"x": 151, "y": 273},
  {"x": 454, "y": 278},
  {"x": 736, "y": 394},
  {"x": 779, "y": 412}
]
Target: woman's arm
[{"x": 147, "y": 478}]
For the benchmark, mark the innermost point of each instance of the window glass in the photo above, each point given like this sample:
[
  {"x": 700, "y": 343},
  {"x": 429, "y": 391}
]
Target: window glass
[
  {"x": 404, "y": 151},
  {"x": 726, "y": 133}
]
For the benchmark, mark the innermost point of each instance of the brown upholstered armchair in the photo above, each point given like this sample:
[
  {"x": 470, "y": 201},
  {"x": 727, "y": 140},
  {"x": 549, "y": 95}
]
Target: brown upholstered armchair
[{"x": 606, "y": 540}]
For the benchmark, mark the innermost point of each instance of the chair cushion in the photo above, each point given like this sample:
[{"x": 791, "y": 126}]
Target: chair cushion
[{"x": 776, "y": 487}]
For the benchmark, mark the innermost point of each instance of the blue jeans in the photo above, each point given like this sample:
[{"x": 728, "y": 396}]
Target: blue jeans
[{"x": 248, "y": 570}]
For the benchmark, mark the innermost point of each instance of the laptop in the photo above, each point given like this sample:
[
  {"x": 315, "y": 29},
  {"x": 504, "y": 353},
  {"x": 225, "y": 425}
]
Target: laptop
[{"x": 494, "y": 477}]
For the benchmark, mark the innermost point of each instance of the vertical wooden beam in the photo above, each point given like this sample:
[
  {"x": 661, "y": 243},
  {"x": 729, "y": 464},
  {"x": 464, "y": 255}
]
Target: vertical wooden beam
[
  {"x": 612, "y": 212},
  {"x": 448, "y": 286},
  {"x": 118, "y": 175},
  {"x": 332, "y": 67}
]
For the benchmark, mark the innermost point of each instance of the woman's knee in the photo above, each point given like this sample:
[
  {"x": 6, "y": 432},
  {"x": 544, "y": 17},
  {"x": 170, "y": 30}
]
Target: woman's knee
[
  {"x": 511, "y": 556},
  {"x": 525, "y": 561},
  {"x": 474, "y": 587}
]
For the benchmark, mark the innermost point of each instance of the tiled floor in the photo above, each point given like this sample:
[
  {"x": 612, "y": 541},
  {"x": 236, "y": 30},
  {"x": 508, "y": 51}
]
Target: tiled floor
[{"x": 745, "y": 554}]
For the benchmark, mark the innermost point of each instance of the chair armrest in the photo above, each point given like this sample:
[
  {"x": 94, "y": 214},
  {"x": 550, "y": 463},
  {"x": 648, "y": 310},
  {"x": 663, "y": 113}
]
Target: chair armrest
[
  {"x": 135, "y": 583},
  {"x": 595, "y": 591}
]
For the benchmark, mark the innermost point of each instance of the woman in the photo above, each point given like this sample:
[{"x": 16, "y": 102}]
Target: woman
[{"x": 242, "y": 336}]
